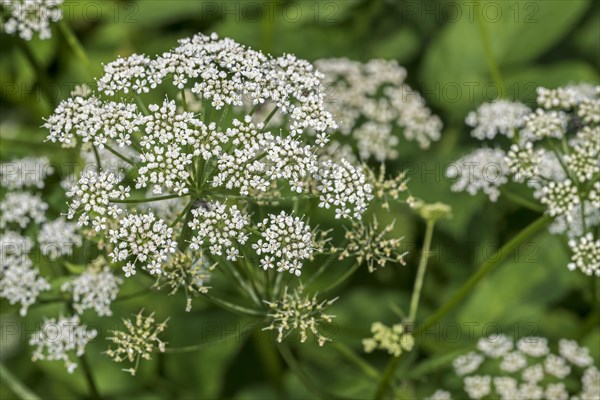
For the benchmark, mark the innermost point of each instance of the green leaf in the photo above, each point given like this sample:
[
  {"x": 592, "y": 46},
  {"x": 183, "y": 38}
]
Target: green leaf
[
  {"x": 74, "y": 268},
  {"x": 455, "y": 71},
  {"x": 517, "y": 293},
  {"x": 401, "y": 45},
  {"x": 521, "y": 84}
]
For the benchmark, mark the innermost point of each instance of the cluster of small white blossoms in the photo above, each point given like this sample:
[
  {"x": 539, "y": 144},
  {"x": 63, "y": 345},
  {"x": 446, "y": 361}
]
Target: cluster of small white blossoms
[
  {"x": 483, "y": 170},
  {"x": 526, "y": 369},
  {"x": 28, "y": 16},
  {"x": 343, "y": 187},
  {"x": 223, "y": 228},
  {"x": 370, "y": 100},
  {"x": 19, "y": 209},
  {"x": 297, "y": 312},
  {"x": 555, "y": 151},
  {"x": 498, "y": 118},
  {"x": 586, "y": 255},
  {"x": 143, "y": 239},
  {"x": 395, "y": 340},
  {"x": 138, "y": 341},
  {"x": 91, "y": 198},
  {"x": 59, "y": 339},
  {"x": 20, "y": 281},
  {"x": 285, "y": 242},
  {"x": 57, "y": 238},
  {"x": 196, "y": 145},
  {"x": 96, "y": 288},
  {"x": 25, "y": 172}
]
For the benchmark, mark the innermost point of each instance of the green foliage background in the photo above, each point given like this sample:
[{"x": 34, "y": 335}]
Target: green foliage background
[{"x": 535, "y": 43}]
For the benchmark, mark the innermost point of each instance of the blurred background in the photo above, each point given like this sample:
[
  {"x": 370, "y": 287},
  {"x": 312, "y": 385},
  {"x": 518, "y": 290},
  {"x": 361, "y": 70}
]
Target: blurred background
[{"x": 536, "y": 43}]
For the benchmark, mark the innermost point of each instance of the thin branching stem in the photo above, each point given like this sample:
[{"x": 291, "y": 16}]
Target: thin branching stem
[{"x": 489, "y": 265}]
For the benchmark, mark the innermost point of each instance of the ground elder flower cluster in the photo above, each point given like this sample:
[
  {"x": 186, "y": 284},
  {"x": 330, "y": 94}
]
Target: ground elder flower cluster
[
  {"x": 525, "y": 369},
  {"x": 28, "y": 17},
  {"x": 373, "y": 105},
  {"x": 201, "y": 169},
  {"x": 555, "y": 151}
]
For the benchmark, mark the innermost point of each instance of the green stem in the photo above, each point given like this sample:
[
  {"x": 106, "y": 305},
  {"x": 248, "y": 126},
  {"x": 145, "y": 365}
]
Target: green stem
[
  {"x": 233, "y": 307},
  {"x": 343, "y": 278},
  {"x": 97, "y": 157},
  {"x": 75, "y": 46},
  {"x": 87, "y": 371},
  {"x": 184, "y": 212},
  {"x": 183, "y": 101},
  {"x": 183, "y": 242},
  {"x": 121, "y": 156},
  {"x": 140, "y": 102},
  {"x": 489, "y": 54},
  {"x": 522, "y": 201},
  {"x": 488, "y": 266},
  {"x": 270, "y": 358},
  {"x": 304, "y": 378},
  {"x": 200, "y": 346},
  {"x": 483, "y": 270},
  {"x": 270, "y": 116},
  {"x": 416, "y": 294},
  {"x": 354, "y": 358},
  {"x": 322, "y": 267},
  {"x": 18, "y": 388},
  {"x": 43, "y": 80}
]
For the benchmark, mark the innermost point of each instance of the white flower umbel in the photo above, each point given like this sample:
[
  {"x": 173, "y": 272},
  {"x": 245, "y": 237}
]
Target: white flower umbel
[
  {"x": 94, "y": 121},
  {"x": 586, "y": 255},
  {"x": 96, "y": 288},
  {"x": 500, "y": 117},
  {"x": 61, "y": 340},
  {"x": 58, "y": 238},
  {"x": 483, "y": 170},
  {"x": 495, "y": 346},
  {"x": 220, "y": 227},
  {"x": 545, "y": 124},
  {"x": 370, "y": 100},
  {"x": 477, "y": 386},
  {"x": 533, "y": 346},
  {"x": 555, "y": 151},
  {"x": 560, "y": 198},
  {"x": 19, "y": 209},
  {"x": 141, "y": 240},
  {"x": 170, "y": 142},
  {"x": 25, "y": 172},
  {"x": 343, "y": 187},
  {"x": 523, "y": 162},
  {"x": 26, "y": 17},
  {"x": 440, "y": 395},
  {"x": 20, "y": 282},
  {"x": 286, "y": 241},
  {"x": 91, "y": 198},
  {"x": 530, "y": 371},
  {"x": 13, "y": 244},
  {"x": 575, "y": 354},
  {"x": 467, "y": 363},
  {"x": 567, "y": 97}
]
